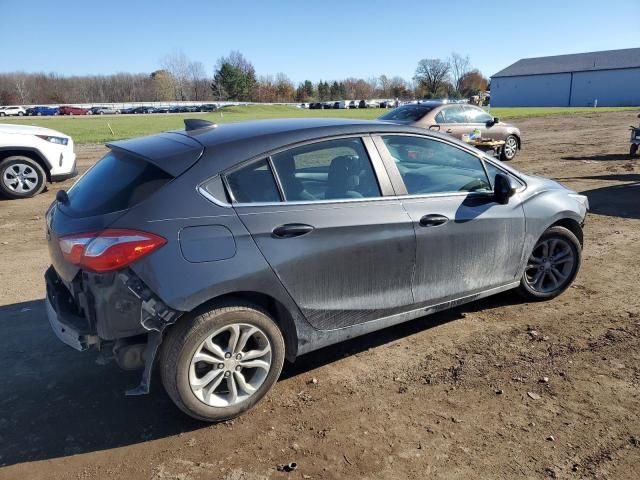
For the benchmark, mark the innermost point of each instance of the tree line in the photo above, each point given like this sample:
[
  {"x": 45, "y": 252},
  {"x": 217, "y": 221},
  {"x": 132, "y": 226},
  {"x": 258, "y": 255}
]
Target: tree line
[{"x": 234, "y": 78}]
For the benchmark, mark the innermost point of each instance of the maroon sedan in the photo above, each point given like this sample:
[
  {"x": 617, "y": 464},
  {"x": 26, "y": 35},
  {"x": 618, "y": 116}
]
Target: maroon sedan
[{"x": 67, "y": 110}]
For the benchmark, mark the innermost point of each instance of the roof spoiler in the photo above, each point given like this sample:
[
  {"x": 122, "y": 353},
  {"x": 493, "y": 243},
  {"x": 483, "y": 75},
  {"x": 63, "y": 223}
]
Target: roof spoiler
[{"x": 197, "y": 123}]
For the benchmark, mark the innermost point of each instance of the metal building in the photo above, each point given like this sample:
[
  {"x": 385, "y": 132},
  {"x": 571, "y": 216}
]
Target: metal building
[{"x": 609, "y": 78}]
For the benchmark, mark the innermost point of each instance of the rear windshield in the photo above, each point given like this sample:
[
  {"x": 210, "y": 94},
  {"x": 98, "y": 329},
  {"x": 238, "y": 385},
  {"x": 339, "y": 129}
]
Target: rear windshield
[
  {"x": 117, "y": 182},
  {"x": 411, "y": 113}
]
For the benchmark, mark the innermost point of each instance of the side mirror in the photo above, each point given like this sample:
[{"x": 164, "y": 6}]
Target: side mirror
[
  {"x": 504, "y": 187},
  {"x": 435, "y": 128}
]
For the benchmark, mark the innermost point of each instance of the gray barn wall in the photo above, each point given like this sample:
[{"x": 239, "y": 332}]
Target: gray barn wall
[
  {"x": 549, "y": 90},
  {"x": 612, "y": 88}
]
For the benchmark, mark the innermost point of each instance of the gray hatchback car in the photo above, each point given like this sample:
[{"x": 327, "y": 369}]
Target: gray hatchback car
[{"x": 214, "y": 253}]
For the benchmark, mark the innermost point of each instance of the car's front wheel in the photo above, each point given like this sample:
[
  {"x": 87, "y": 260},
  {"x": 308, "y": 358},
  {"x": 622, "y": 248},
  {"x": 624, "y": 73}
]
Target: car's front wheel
[
  {"x": 21, "y": 177},
  {"x": 509, "y": 149},
  {"x": 552, "y": 266},
  {"x": 219, "y": 364}
]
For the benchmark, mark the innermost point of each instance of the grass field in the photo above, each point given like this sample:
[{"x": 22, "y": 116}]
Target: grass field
[{"x": 97, "y": 129}]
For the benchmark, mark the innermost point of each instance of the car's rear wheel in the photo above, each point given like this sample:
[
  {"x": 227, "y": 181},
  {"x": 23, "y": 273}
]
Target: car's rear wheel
[
  {"x": 21, "y": 177},
  {"x": 509, "y": 149},
  {"x": 217, "y": 365},
  {"x": 633, "y": 150},
  {"x": 552, "y": 266}
]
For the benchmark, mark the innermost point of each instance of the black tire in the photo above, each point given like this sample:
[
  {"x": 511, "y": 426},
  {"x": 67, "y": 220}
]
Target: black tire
[
  {"x": 20, "y": 114},
  {"x": 184, "y": 338},
  {"x": 33, "y": 165},
  {"x": 633, "y": 150},
  {"x": 1, "y": 114},
  {"x": 528, "y": 292},
  {"x": 509, "y": 153}
]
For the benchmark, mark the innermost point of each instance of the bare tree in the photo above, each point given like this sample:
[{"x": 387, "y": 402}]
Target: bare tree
[
  {"x": 459, "y": 66},
  {"x": 198, "y": 80},
  {"x": 432, "y": 75},
  {"x": 21, "y": 88},
  {"x": 177, "y": 64}
]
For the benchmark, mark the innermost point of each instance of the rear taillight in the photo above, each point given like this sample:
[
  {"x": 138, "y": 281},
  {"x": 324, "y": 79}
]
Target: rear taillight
[{"x": 111, "y": 249}]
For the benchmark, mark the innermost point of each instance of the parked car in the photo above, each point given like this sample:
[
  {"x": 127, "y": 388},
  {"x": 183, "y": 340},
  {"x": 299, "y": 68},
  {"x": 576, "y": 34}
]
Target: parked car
[
  {"x": 104, "y": 111},
  {"x": 12, "y": 111},
  {"x": 353, "y": 104},
  {"x": 208, "y": 107},
  {"x": 43, "y": 111},
  {"x": 32, "y": 156},
  {"x": 315, "y": 106},
  {"x": 281, "y": 248},
  {"x": 68, "y": 110},
  {"x": 161, "y": 110},
  {"x": 144, "y": 110},
  {"x": 362, "y": 104},
  {"x": 457, "y": 120}
]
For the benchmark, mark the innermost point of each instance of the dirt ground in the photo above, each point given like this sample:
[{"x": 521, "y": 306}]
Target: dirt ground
[{"x": 494, "y": 389}]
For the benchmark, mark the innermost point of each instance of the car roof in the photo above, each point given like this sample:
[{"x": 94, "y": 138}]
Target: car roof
[
  {"x": 224, "y": 146},
  {"x": 286, "y": 130}
]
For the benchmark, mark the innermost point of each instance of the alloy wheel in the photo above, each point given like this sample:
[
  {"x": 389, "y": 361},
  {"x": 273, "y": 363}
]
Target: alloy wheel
[
  {"x": 230, "y": 365},
  {"x": 20, "y": 178},
  {"x": 510, "y": 147},
  {"x": 550, "y": 265}
]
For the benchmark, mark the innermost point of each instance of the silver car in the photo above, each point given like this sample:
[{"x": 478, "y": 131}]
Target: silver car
[
  {"x": 458, "y": 120},
  {"x": 217, "y": 252}
]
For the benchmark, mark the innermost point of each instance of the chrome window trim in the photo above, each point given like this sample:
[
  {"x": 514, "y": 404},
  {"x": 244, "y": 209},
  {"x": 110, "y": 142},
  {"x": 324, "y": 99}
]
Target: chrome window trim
[
  {"x": 371, "y": 136},
  {"x": 202, "y": 191}
]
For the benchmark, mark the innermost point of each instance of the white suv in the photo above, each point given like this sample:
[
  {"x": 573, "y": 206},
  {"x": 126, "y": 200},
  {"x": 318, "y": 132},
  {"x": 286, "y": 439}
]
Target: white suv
[
  {"x": 12, "y": 111},
  {"x": 32, "y": 156}
]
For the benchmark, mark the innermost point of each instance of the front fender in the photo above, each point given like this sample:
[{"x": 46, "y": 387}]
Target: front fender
[{"x": 544, "y": 209}]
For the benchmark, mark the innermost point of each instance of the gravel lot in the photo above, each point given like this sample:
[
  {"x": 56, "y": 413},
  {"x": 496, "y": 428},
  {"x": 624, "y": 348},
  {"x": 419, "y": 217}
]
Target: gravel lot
[{"x": 494, "y": 389}]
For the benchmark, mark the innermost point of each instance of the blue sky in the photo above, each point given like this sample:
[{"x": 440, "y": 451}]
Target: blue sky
[{"x": 321, "y": 39}]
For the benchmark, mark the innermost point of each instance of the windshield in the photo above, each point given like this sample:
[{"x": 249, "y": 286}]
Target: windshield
[{"x": 410, "y": 113}]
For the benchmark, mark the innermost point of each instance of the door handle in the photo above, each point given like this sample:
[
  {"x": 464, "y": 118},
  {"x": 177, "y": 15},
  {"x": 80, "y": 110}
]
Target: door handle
[
  {"x": 291, "y": 230},
  {"x": 433, "y": 220},
  {"x": 449, "y": 130}
]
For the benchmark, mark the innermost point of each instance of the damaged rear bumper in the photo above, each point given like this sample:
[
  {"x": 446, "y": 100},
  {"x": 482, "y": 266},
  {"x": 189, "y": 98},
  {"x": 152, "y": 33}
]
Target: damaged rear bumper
[
  {"x": 113, "y": 312},
  {"x": 66, "y": 331}
]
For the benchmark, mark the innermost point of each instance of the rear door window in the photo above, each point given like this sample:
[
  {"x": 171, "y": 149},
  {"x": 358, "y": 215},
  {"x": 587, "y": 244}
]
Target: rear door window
[
  {"x": 330, "y": 170},
  {"x": 117, "y": 182},
  {"x": 453, "y": 114}
]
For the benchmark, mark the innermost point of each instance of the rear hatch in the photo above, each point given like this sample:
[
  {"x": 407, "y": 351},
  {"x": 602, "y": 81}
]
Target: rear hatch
[{"x": 126, "y": 176}]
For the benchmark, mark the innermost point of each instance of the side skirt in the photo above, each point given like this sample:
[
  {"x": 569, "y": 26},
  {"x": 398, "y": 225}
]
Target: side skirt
[{"x": 323, "y": 338}]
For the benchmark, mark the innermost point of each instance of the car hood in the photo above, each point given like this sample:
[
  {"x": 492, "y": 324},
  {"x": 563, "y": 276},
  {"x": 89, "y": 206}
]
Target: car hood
[
  {"x": 29, "y": 130},
  {"x": 545, "y": 183}
]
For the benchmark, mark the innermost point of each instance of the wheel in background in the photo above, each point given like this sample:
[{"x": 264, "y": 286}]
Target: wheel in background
[
  {"x": 552, "y": 265},
  {"x": 509, "y": 149},
  {"x": 21, "y": 177},
  {"x": 217, "y": 365},
  {"x": 633, "y": 150}
]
